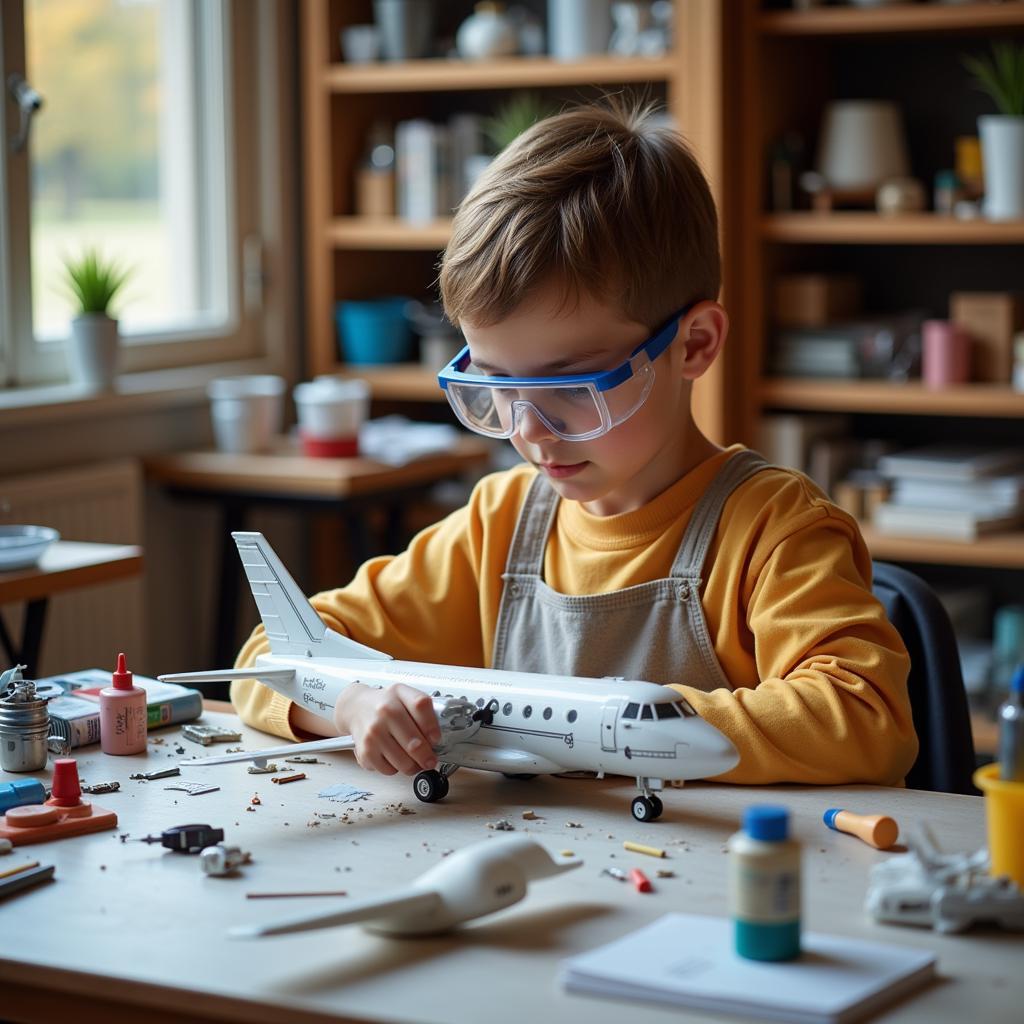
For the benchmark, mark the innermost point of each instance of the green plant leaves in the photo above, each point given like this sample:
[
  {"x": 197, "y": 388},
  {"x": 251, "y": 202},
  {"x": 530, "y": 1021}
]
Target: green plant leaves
[
  {"x": 1001, "y": 76},
  {"x": 93, "y": 281}
]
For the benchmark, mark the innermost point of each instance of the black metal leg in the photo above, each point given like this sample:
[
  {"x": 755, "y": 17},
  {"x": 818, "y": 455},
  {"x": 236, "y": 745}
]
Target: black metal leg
[
  {"x": 394, "y": 528},
  {"x": 27, "y": 652},
  {"x": 223, "y": 641},
  {"x": 356, "y": 534}
]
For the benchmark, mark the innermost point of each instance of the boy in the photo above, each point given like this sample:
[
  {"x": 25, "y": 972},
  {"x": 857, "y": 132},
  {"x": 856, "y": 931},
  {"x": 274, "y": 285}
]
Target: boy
[{"x": 584, "y": 270}]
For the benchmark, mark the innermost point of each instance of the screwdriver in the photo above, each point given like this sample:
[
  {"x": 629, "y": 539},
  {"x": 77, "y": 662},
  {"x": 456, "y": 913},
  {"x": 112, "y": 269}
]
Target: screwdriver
[{"x": 183, "y": 838}]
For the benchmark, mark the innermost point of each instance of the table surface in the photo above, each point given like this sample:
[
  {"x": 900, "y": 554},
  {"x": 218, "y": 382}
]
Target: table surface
[
  {"x": 126, "y": 925},
  {"x": 66, "y": 565},
  {"x": 286, "y": 471}
]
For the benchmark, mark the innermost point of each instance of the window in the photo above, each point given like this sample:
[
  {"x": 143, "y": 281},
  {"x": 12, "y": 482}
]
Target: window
[
  {"x": 479, "y": 702},
  {"x": 685, "y": 707},
  {"x": 527, "y": 711},
  {"x": 571, "y": 717},
  {"x": 646, "y": 714},
  {"x": 147, "y": 147},
  {"x": 547, "y": 714},
  {"x": 631, "y": 711},
  {"x": 507, "y": 709},
  {"x": 666, "y": 711}
]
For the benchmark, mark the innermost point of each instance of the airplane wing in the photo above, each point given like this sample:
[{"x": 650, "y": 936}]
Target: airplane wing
[
  {"x": 264, "y": 675},
  {"x": 288, "y": 750},
  {"x": 369, "y": 909}
]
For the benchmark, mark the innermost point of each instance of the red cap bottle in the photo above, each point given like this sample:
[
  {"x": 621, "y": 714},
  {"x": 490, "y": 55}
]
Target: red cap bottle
[{"x": 122, "y": 713}]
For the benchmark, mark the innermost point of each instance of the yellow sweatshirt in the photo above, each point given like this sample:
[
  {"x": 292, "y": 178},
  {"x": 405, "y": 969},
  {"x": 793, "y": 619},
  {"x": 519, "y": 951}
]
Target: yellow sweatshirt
[{"x": 817, "y": 673}]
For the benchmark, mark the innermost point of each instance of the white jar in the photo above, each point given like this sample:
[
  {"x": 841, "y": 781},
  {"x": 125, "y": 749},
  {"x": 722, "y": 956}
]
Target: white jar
[
  {"x": 247, "y": 411},
  {"x": 331, "y": 410},
  {"x": 487, "y": 32},
  {"x": 578, "y": 28}
]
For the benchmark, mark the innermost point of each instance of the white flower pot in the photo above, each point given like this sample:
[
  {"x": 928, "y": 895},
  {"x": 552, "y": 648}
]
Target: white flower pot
[
  {"x": 92, "y": 351},
  {"x": 1002, "y": 148}
]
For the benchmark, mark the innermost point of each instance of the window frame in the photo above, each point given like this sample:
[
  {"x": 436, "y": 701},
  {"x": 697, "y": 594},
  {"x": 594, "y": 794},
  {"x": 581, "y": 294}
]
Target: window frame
[{"x": 239, "y": 31}]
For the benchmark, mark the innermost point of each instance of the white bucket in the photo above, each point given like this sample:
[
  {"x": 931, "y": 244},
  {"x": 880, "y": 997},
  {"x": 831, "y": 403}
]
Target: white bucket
[
  {"x": 247, "y": 411},
  {"x": 331, "y": 410}
]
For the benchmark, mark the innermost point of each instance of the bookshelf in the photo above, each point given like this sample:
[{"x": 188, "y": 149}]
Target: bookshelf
[
  {"x": 790, "y": 64},
  {"x": 348, "y": 257}
]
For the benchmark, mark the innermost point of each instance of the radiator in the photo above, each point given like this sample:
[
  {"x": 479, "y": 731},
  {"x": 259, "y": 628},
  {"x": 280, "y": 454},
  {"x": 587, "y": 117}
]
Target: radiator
[{"x": 103, "y": 502}]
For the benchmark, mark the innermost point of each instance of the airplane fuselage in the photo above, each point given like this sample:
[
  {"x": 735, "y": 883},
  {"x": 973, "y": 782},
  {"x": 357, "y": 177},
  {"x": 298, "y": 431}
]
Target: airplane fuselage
[{"x": 541, "y": 723}]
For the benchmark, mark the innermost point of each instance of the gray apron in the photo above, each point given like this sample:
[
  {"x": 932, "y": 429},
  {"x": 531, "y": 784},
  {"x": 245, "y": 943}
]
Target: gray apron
[{"x": 653, "y": 631}]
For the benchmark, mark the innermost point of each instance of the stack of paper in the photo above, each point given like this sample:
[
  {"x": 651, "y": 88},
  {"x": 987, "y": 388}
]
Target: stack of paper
[{"x": 689, "y": 960}]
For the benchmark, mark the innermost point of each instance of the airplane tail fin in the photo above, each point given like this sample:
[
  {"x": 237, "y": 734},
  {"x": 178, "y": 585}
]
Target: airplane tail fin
[{"x": 291, "y": 622}]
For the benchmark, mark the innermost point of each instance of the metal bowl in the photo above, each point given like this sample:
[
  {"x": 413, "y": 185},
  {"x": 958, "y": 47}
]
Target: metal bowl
[{"x": 23, "y": 546}]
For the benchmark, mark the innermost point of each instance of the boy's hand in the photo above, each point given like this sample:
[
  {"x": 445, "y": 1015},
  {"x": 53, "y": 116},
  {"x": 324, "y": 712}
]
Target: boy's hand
[{"x": 394, "y": 728}]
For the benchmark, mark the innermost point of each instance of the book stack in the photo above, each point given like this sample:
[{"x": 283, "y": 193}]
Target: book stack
[
  {"x": 958, "y": 492},
  {"x": 423, "y": 171}
]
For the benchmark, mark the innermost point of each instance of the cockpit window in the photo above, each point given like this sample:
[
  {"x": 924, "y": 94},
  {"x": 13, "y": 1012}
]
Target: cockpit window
[
  {"x": 685, "y": 708},
  {"x": 631, "y": 711},
  {"x": 666, "y": 711},
  {"x": 646, "y": 714}
]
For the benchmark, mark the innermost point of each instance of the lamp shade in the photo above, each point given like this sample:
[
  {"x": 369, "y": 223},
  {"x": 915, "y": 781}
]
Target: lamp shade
[{"x": 862, "y": 144}]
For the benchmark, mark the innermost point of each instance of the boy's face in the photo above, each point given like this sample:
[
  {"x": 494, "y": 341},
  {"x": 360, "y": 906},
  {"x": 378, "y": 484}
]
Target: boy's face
[{"x": 633, "y": 462}]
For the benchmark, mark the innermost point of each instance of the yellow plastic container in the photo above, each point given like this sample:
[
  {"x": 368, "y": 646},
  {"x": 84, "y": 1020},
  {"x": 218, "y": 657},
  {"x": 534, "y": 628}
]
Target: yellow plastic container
[{"x": 1004, "y": 810}]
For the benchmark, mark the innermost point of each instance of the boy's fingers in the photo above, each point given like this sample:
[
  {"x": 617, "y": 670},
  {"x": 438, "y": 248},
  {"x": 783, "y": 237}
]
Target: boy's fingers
[
  {"x": 407, "y": 733},
  {"x": 421, "y": 708},
  {"x": 391, "y": 751}
]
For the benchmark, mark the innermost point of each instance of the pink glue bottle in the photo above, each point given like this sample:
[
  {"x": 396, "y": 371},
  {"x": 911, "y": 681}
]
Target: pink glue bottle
[{"x": 122, "y": 714}]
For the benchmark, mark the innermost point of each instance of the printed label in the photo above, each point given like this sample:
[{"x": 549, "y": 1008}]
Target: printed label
[{"x": 763, "y": 894}]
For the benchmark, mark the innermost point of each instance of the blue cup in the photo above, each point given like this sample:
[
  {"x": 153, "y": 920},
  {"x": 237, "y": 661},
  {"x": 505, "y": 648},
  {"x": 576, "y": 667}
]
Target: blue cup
[{"x": 374, "y": 331}]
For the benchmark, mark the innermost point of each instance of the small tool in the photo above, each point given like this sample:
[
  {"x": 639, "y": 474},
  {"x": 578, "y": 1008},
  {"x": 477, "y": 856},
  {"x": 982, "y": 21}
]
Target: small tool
[
  {"x": 183, "y": 838},
  {"x": 651, "y": 851},
  {"x": 876, "y": 830},
  {"x": 617, "y": 873},
  {"x": 160, "y": 773},
  {"x": 25, "y": 878}
]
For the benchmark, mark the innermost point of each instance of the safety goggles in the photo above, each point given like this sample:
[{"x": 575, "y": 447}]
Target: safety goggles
[{"x": 574, "y": 407}]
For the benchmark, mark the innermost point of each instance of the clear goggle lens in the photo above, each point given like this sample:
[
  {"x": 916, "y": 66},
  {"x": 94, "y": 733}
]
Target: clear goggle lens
[{"x": 574, "y": 413}]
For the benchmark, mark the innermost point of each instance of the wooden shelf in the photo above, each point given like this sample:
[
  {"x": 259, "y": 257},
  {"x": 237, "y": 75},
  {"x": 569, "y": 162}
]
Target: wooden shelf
[
  {"x": 403, "y": 382},
  {"x": 866, "y": 228},
  {"x": 999, "y": 550},
  {"x": 911, "y": 399},
  {"x": 506, "y": 73},
  {"x": 907, "y": 18},
  {"x": 387, "y": 233}
]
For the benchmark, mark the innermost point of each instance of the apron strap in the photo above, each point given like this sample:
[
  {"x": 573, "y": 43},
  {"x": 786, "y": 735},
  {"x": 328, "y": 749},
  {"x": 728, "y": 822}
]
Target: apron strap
[
  {"x": 689, "y": 560},
  {"x": 526, "y": 554}
]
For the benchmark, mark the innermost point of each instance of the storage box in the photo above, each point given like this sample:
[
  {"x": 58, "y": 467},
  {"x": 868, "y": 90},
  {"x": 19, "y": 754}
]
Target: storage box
[
  {"x": 991, "y": 319},
  {"x": 815, "y": 300}
]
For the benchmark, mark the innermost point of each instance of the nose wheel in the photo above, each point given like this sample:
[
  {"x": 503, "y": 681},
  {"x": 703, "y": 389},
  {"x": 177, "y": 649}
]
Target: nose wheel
[
  {"x": 430, "y": 786},
  {"x": 647, "y": 808}
]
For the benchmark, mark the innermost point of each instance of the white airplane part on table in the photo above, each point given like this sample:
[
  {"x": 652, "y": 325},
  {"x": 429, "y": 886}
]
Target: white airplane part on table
[{"x": 524, "y": 723}]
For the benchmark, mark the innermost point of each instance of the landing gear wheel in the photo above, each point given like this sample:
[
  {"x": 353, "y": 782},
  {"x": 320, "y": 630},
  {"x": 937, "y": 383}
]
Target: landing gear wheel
[
  {"x": 646, "y": 808},
  {"x": 430, "y": 786},
  {"x": 519, "y": 776}
]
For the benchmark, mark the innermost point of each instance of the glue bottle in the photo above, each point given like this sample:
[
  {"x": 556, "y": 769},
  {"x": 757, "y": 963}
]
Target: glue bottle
[
  {"x": 122, "y": 714},
  {"x": 764, "y": 886}
]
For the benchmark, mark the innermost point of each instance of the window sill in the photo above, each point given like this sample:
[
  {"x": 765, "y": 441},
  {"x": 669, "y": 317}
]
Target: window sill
[{"x": 134, "y": 392}]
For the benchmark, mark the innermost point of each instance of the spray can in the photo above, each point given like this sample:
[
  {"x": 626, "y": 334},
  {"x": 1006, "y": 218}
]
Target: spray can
[
  {"x": 24, "y": 724},
  {"x": 122, "y": 713},
  {"x": 764, "y": 886},
  {"x": 1011, "y": 731}
]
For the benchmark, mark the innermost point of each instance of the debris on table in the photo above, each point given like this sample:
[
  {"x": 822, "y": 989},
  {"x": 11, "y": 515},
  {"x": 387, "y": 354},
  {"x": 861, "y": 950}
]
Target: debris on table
[
  {"x": 194, "y": 788},
  {"x": 160, "y": 773},
  {"x": 574, "y": 824},
  {"x": 530, "y": 816},
  {"x": 342, "y": 793},
  {"x": 304, "y": 759},
  {"x": 207, "y": 734},
  {"x": 256, "y": 799},
  {"x": 223, "y": 860},
  {"x": 265, "y": 769},
  {"x": 282, "y": 779},
  {"x": 664, "y": 873},
  {"x": 650, "y": 851},
  {"x": 501, "y": 825},
  {"x": 101, "y": 787}
]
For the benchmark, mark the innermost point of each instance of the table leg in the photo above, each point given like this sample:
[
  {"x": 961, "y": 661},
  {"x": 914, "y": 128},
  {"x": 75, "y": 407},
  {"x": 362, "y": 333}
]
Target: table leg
[
  {"x": 222, "y": 645},
  {"x": 27, "y": 653}
]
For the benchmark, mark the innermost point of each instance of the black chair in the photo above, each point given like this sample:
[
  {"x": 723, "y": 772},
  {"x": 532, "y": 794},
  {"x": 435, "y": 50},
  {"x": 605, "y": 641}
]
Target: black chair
[{"x": 938, "y": 700}]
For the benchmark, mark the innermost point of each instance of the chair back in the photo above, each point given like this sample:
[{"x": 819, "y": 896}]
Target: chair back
[{"x": 938, "y": 701}]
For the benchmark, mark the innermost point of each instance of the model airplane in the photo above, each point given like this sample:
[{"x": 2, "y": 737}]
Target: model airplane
[
  {"x": 529, "y": 723},
  {"x": 472, "y": 882}
]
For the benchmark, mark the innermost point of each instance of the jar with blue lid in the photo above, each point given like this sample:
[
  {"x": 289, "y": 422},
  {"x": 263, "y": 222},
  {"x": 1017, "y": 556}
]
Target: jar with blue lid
[{"x": 764, "y": 885}]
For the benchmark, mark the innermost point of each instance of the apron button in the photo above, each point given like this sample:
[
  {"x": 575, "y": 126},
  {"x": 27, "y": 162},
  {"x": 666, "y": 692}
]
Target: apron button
[
  {"x": 513, "y": 589},
  {"x": 684, "y": 591}
]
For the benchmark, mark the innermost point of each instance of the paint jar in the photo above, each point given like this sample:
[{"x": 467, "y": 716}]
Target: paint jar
[
  {"x": 1004, "y": 814},
  {"x": 24, "y": 726},
  {"x": 764, "y": 885},
  {"x": 945, "y": 354},
  {"x": 331, "y": 410},
  {"x": 123, "y": 714}
]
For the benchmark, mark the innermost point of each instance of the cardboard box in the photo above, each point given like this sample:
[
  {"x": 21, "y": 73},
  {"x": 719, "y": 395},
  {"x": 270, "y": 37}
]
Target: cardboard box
[
  {"x": 816, "y": 300},
  {"x": 991, "y": 319}
]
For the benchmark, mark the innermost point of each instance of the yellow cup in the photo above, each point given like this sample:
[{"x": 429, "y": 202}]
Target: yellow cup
[{"x": 1004, "y": 810}]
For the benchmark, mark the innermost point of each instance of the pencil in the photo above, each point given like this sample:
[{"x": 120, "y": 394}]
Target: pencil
[{"x": 651, "y": 851}]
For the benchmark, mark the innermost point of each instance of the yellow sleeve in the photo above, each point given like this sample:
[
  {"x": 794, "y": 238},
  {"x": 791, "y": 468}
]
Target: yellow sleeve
[
  {"x": 420, "y": 605},
  {"x": 831, "y": 703}
]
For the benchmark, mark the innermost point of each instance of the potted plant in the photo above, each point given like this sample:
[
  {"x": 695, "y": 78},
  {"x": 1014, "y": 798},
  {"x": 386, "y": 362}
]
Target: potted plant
[
  {"x": 1002, "y": 134},
  {"x": 92, "y": 353}
]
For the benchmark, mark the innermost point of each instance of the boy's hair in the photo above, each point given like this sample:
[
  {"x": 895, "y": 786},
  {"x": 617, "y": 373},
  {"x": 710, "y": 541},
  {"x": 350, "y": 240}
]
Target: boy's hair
[{"x": 607, "y": 200}]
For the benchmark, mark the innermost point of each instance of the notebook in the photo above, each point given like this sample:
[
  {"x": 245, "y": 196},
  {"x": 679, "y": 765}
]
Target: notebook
[{"x": 689, "y": 960}]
